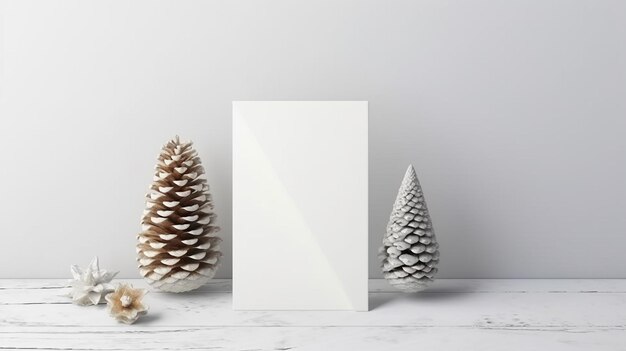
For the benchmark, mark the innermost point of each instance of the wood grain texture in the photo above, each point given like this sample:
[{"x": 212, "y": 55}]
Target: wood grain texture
[{"x": 451, "y": 315}]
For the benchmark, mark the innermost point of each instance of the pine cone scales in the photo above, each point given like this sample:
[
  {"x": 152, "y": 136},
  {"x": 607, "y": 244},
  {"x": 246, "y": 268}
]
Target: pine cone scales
[
  {"x": 178, "y": 249},
  {"x": 410, "y": 251}
]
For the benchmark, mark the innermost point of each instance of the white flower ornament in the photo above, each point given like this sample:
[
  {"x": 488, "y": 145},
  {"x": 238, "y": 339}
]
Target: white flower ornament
[
  {"x": 126, "y": 303},
  {"x": 90, "y": 286}
]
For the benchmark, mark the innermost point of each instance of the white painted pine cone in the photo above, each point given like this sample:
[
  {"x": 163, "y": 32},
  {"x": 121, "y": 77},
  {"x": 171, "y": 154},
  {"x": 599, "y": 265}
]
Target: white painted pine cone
[
  {"x": 410, "y": 251},
  {"x": 178, "y": 248}
]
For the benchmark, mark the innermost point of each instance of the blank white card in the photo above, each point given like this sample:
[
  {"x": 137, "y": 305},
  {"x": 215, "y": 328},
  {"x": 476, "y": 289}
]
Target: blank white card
[{"x": 300, "y": 205}]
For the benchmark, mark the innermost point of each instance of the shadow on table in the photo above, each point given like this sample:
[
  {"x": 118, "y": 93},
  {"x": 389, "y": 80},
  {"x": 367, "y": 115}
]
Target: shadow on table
[
  {"x": 220, "y": 286},
  {"x": 148, "y": 319},
  {"x": 440, "y": 291}
]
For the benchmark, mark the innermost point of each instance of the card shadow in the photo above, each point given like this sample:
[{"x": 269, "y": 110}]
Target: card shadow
[{"x": 457, "y": 290}]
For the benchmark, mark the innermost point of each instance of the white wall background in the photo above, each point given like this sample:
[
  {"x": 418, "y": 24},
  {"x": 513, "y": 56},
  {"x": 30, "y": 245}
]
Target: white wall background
[{"x": 513, "y": 112}]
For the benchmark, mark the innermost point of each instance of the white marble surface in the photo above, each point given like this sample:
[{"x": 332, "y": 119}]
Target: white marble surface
[{"x": 451, "y": 315}]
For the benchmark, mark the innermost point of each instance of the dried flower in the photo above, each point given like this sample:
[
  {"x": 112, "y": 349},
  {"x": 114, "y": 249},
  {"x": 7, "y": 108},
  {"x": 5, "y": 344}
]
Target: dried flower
[
  {"x": 90, "y": 286},
  {"x": 125, "y": 303}
]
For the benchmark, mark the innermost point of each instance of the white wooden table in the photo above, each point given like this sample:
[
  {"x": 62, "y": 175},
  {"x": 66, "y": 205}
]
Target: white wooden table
[{"x": 452, "y": 315}]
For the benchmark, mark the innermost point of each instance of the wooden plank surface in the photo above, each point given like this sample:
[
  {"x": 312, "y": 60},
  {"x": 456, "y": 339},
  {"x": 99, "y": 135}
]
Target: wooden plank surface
[{"x": 452, "y": 315}]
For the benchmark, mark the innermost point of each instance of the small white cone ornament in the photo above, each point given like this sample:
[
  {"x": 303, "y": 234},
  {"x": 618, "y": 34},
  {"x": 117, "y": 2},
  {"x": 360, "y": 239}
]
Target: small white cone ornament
[
  {"x": 90, "y": 286},
  {"x": 178, "y": 248},
  {"x": 410, "y": 251},
  {"x": 126, "y": 303}
]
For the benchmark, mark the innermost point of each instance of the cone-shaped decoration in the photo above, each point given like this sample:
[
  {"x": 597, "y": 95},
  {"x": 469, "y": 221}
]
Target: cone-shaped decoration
[
  {"x": 178, "y": 249},
  {"x": 409, "y": 253}
]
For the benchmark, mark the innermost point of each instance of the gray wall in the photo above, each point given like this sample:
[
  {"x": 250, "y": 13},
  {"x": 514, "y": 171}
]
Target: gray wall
[{"x": 513, "y": 113}]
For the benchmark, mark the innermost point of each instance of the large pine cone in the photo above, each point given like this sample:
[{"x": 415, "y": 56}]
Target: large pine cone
[
  {"x": 410, "y": 251},
  {"x": 178, "y": 247}
]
